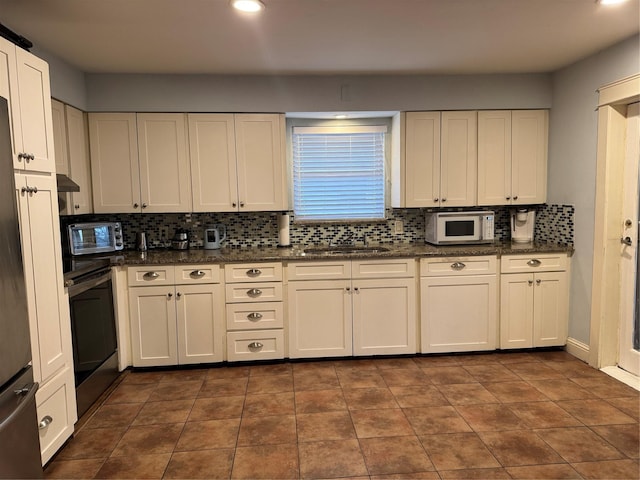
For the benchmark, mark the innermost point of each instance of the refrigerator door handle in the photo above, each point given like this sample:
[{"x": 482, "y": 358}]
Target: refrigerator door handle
[{"x": 26, "y": 401}]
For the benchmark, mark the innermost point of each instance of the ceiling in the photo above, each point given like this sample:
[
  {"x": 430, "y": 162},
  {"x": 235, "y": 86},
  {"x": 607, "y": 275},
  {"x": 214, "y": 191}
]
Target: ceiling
[{"x": 320, "y": 37}]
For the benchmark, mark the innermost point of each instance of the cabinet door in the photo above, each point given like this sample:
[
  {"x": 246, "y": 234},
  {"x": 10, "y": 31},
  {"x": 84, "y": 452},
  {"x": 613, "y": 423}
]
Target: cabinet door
[
  {"x": 516, "y": 310},
  {"x": 529, "y": 156},
  {"x": 200, "y": 316},
  {"x": 60, "y": 137},
  {"x": 165, "y": 181},
  {"x": 459, "y": 313},
  {"x": 47, "y": 304},
  {"x": 422, "y": 159},
  {"x": 9, "y": 90},
  {"x": 79, "y": 163},
  {"x": 319, "y": 319},
  {"x": 152, "y": 311},
  {"x": 35, "y": 111},
  {"x": 115, "y": 175},
  {"x": 550, "y": 321},
  {"x": 261, "y": 162},
  {"x": 459, "y": 161},
  {"x": 494, "y": 157},
  {"x": 384, "y": 316},
  {"x": 214, "y": 176}
]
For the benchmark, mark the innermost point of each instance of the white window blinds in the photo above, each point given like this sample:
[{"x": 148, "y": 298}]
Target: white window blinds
[{"x": 338, "y": 172}]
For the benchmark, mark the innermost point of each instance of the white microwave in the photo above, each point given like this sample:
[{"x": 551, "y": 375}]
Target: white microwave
[
  {"x": 97, "y": 237},
  {"x": 451, "y": 228}
]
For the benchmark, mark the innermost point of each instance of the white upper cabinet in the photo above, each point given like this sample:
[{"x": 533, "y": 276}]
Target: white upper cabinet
[
  {"x": 115, "y": 175},
  {"x": 24, "y": 81},
  {"x": 422, "y": 159},
  {"x": 512, "y": 157},
  {"x": 237, "y": 162},
  {"x": 440, "y": 159},
  {"x": 60, "y": 137},
  {"x": 214, "y": 184},
  {"x": 164, "y": 162},
  {"x": 79, "y": 162},
  {"x": 139, "y": 163}
]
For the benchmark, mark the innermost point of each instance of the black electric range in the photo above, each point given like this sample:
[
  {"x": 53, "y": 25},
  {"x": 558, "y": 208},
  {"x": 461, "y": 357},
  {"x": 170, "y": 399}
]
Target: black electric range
[{"x": 75, "y": 268}]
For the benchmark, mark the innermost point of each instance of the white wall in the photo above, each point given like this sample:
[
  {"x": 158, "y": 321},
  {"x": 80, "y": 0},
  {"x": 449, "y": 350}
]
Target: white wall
[
  {"x": 572, "y": 159},
  {"x": 211, "y": 93}
]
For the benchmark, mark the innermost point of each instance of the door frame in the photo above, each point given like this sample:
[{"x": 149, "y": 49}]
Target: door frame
[{"x": 610, "y": 158}]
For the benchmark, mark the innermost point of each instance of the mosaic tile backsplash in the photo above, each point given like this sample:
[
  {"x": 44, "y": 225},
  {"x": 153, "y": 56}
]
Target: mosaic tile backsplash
[{"x": 554, "y": 223}]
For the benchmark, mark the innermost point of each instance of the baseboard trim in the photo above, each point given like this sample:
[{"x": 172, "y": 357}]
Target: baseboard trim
[{"x": 578, "y": 349}]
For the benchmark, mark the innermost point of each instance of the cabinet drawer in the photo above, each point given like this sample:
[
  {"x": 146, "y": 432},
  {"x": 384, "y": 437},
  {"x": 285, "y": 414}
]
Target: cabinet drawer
[
  {"x": 187, "y": 274},
  {"x": 254, "y": 292},
  {"x": 254, "y": 316},
  {"x": 328, "y": 270},
  {"x": 454, "y": 266},
  {"x": 391, "y": 268},
  {"x": 253, "y": 272},
  {"x": 56, "y": 406},
  {"x": 546, "y": 262},
  {"x": 255, "y": 345},
  {"x": 150, "y": 275}
]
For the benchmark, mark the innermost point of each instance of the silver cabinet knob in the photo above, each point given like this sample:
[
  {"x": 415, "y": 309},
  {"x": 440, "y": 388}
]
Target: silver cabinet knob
[
  {"x": 234, "y": 204},
  {"x": 255, "y": 346},
  {"x": 530, "y": 282},
  {"x": 197, "y": 274},
  {"x": 144, "y": 205},
  {"x": 435, "y": 200},
  {"x": 534, "y": 262},
  {"x": 458, "y": 266},
  {"x": 178, "y": 294},
  {"x": 508, "y": 198},
  {"x": 241, "y": 204},
  {"x": 356, "y": 289},
  {"x": 626, "y": 241},
  {"x": 254, "y": 316},
  {"x": 538, "y": 281},
  {"x": 169, "y": 295},
  {"x": 76, "y": 206},
  {"x": 45, "y": 422},
  {"x": 135, "y": 205},
  {"x": 254, "y": 292},
  {"x": 254, "y": 272},
  {"x": 515, "y": 197},
  {"x": 444, "y": 200},
  {"x": 348, "y": 289}
]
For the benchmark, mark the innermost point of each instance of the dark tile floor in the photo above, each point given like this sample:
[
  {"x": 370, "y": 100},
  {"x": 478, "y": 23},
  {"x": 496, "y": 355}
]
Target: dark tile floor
[{"x": 498, "y": 415}]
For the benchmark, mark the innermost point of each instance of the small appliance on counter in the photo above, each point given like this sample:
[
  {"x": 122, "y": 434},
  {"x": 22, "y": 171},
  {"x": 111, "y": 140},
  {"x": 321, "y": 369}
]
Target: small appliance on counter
[
  {"x": 214, "y": 236},
  {"x": 95, "y": 237},
  {"x": 141, "y": 241},
  {"x": 453, "y": 228},
  {"x": 522, "y": 223},
  {"x": 180, "y": 240}
]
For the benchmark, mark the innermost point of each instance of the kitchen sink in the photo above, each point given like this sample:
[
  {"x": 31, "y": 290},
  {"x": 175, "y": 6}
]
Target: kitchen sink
[{"x": 343, "y": 250}]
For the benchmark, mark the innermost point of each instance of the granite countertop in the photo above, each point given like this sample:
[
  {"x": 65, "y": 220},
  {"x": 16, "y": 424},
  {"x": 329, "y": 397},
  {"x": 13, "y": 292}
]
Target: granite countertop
[{"x": 297, "y": 253}]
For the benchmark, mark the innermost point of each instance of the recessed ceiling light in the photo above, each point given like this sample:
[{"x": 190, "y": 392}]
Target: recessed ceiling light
[
  {"x": 247, "y": 5},
  {"x": 610, "y": 2},
  {"x": 340, "y": 116}
]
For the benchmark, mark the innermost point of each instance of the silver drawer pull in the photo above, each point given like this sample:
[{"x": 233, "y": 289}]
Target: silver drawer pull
[
  {"x": 254, "y": 292},
  {"x": 197, "y": 274},
  {"x": 458, "y": 265},
  {"x": 45, "y": 422},
  {"x": 254, "y": 316},
  {"x": 151, "y": 275},
  {"x": 255, "y": 345},
  {"x": 254, "y": 272},
  {"x": 534, "y": 262}
]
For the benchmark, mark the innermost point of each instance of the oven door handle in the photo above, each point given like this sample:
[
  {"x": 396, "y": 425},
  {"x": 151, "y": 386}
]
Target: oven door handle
[{"x": 84, "y": 285}]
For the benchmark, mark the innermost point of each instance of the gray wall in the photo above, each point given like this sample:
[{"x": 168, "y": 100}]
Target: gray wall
[
  {"x": 572, "y": 159},
  {"x": 67, "y": 82},
  {"x": 211, "y": 93}
]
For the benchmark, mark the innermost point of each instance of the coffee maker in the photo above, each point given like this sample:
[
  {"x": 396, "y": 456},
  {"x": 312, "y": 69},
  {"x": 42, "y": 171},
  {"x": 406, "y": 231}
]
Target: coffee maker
[{"x": 522, "y": 223}]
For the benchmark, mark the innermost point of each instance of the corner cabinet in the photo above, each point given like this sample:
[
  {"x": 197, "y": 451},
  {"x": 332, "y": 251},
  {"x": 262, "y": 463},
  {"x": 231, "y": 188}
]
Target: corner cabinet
[
  {"x": 512, "y": 157},
  {"x": 237, "y": 162},
  {"x": 24, "y": 82},
  {"x": 459, "y": 304},
  {"x": 139, "y": 163},
  {"x": 176, "y": 314},
  {"x": 534, "y": 301},
  {"x": 359, "y": 307},
  {"x": 48, "y": 307}
]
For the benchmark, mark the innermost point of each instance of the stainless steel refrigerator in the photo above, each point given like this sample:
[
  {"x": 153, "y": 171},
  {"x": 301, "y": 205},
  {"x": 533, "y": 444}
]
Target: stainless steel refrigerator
[{"x": 19, "y": 442}]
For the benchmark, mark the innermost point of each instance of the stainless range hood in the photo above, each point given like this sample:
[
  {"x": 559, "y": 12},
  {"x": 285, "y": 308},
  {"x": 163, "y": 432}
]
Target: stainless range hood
[{"x": 65, "y": 184}]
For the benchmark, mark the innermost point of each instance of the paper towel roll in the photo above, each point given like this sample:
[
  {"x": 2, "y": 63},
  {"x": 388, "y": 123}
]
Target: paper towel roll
[{"x": 283, "y": 230}]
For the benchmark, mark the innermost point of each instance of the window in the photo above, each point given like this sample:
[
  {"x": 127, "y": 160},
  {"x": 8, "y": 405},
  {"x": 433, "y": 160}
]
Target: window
[{"x": 339, "y": 172}]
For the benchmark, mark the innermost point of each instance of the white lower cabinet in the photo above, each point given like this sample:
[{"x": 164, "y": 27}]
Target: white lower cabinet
[
  {"x": 371, "y": 310},
  {"x": 534, "y": 301},
  {"x": 255, "y": 316},
  {"x": 459, "y": 304},
  {"x": 176, "y": 323}
]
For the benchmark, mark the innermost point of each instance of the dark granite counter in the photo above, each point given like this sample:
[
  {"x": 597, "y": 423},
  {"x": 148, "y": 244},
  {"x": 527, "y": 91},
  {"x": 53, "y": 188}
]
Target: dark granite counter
[{"x": 297, "y": 253}]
